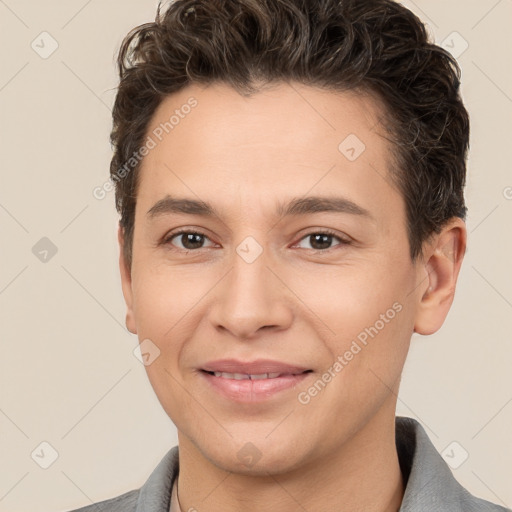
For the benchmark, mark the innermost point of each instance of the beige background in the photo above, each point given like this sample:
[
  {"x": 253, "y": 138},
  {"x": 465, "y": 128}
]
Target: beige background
[{"x": 68, "y": 375}]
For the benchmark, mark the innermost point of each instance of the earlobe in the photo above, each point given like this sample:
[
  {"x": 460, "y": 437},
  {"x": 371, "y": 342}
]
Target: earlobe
[
  {"x": 441, "y": 265},
  {"x": 126, "y": 283}
]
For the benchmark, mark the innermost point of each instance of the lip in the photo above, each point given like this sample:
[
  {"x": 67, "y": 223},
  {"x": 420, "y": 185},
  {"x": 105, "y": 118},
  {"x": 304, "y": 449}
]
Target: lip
[{"x": 248, "y": 390}]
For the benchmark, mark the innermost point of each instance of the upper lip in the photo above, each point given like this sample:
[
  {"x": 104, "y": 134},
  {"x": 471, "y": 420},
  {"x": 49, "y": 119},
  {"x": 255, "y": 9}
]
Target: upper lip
[{"x": 255, "y": 367}]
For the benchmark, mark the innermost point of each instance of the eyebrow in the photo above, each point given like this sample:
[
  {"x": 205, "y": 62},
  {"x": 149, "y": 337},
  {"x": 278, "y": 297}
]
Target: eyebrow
[{"x": 296, "y": 206}]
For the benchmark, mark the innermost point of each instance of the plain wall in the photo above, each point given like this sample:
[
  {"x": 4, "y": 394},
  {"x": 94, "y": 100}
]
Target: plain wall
[{"x": 68, "y": 375}]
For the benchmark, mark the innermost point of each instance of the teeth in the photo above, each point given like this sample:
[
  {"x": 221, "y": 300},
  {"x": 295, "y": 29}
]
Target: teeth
[{"x": 244, "y": 376}]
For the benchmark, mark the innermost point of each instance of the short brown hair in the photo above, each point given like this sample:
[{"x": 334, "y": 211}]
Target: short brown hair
[{"x": 377, "y": 46}]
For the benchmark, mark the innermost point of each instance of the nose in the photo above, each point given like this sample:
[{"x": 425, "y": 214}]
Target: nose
[{"x": 251, "y": 299}]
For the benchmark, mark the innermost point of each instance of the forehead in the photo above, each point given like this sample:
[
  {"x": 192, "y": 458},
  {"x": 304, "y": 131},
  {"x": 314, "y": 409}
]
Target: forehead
[
  {"x": 282, "y": 114},
  {"x": 212, "y": 142}
]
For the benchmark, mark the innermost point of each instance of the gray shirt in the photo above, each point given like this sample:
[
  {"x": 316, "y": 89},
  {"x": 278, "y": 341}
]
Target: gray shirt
[{"x": 430, "y": 485}]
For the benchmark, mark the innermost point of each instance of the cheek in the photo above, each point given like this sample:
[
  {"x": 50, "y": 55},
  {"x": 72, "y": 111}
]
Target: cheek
[
  {"x": 350, "y": 298},
  {"x": 177, "y": 401},
  {"x": 164, "y": 299},
  {"x": 370, "y": 319},
  {"x": 164, "y": 296}
]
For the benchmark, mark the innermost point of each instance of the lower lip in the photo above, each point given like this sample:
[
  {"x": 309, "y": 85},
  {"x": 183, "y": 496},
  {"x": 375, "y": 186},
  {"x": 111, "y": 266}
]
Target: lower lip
[{"x": 249, "y": 391}]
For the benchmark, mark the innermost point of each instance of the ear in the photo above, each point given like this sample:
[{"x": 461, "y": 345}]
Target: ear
[
  {"x": 440, "y": 265},
  {"x": 126, "y": 283}
]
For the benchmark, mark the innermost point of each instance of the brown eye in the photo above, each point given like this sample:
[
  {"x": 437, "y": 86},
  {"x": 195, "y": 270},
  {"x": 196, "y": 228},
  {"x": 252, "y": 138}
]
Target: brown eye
[
  {"x": 322, "y": 241},
  {"x": 190, "y": 240}
]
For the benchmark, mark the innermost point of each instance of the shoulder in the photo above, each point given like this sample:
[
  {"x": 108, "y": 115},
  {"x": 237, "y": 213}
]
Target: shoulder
[
  {"x": 430, "y": 484},
  {"x": 153, "y": 496},
  {"x": 126, "y": 502}
]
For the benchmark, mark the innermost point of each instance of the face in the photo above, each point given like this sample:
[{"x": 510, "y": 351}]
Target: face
[{"x": 294, "y": 268}]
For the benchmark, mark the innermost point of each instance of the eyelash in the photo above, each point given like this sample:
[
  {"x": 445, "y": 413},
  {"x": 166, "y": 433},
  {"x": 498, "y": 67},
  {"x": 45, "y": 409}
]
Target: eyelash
[{"x": 167, "y": 240}]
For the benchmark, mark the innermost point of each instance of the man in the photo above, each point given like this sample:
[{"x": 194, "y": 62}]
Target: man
[{"x": 289, "y": 175}]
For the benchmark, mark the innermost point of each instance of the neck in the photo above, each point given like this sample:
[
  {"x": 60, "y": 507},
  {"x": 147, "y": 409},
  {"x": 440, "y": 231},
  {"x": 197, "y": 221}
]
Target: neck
[{"x": 362, "y": 475}]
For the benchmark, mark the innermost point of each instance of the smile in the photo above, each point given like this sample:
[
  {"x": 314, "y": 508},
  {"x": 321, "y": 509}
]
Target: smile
[{"x": 245, "y": 376}]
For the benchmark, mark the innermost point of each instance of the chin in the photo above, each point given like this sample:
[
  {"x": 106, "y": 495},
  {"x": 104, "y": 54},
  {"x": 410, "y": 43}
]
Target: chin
[{"x": 254, "y": 456}]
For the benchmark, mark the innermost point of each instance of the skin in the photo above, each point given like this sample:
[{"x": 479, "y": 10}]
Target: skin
[{"x": 292, "y": 304}]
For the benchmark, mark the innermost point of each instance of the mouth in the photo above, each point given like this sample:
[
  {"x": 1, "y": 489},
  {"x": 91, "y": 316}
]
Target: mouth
[
  {"x": 258, "y": 368},
  {"x": 255, "y": 376},
  {"x": 252, "y": 382}
]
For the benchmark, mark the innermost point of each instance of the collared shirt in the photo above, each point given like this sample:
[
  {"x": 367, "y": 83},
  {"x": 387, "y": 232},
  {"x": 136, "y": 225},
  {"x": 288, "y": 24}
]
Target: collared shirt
[{"x": 430, "y": 485}]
